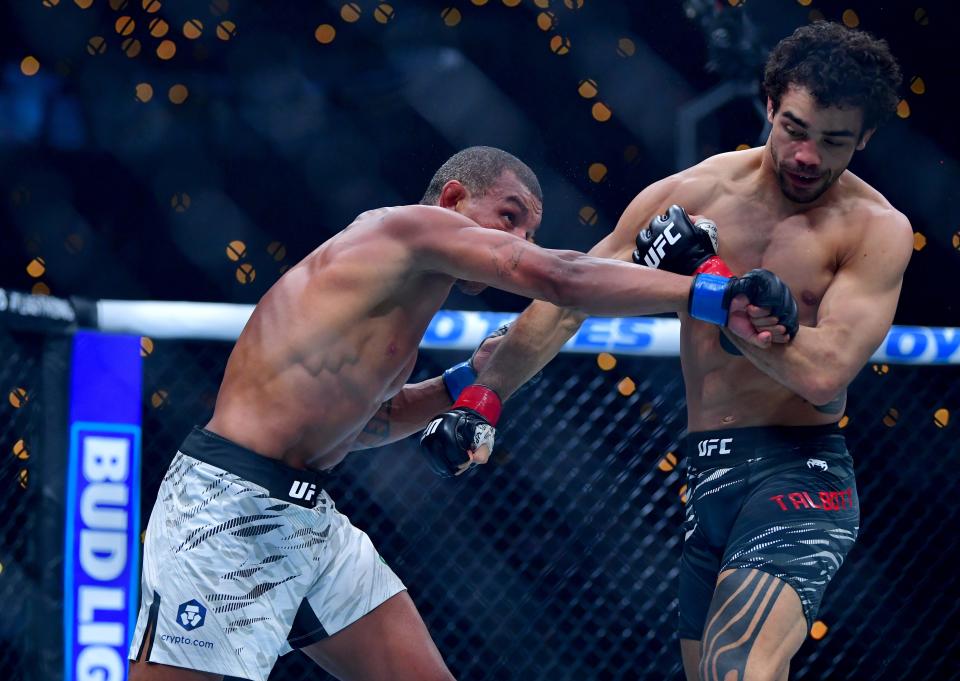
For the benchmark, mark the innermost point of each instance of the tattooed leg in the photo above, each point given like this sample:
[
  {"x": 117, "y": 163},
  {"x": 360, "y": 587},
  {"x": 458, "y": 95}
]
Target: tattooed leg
[{"x": 754, "y": 626}]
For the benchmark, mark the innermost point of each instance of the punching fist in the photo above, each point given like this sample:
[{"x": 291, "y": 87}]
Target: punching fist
[
  {"x": 711, "y": 296},
  {"x": 674, "y": 243},
  {"x": 459, "y": 439}
]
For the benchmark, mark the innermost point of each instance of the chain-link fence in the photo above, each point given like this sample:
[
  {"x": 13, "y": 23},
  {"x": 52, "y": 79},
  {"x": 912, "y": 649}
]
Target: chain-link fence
[
  {"x": 20, "y": 502},
  {"x": 559, "y": 559}
]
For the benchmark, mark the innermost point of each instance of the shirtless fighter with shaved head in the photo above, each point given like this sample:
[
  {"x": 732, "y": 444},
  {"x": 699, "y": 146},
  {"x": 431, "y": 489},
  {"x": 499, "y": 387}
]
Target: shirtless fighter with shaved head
[
  {"x": 772, "y": 504},
  {"x": 245, "y": 555}
]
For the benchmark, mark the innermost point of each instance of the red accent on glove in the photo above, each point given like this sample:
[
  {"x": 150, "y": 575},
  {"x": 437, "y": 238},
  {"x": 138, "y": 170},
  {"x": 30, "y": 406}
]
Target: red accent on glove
[
  {"x": 482, "y": 400},
  {"x": 714, "y": 265}
]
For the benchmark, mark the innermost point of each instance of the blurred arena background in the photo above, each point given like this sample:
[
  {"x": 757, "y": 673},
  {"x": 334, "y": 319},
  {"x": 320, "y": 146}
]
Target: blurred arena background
[{"x": 174, "y": 150}]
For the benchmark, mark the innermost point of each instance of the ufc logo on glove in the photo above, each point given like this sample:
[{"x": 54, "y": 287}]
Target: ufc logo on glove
[{"x": 656, "y": 252}]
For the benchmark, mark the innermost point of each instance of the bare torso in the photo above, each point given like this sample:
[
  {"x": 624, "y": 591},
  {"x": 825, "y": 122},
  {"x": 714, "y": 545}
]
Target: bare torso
[
  {"x": 333, "y": 339},
  {"x": 805, "y": 246}
]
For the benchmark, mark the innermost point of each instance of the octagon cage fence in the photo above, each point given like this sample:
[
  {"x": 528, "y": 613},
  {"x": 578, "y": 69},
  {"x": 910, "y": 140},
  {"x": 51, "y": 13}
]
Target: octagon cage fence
[{"x": 558, "y": 560}]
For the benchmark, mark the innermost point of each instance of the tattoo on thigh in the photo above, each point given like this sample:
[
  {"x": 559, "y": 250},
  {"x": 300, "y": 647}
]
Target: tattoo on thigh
[{"x": 735, "y": 619}]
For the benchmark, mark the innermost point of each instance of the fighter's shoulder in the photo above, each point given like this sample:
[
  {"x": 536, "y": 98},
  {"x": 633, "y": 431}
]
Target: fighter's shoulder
[
  {"x": 409, "y": 223},
  {"x": 865, "y": 205},
  {"x": 877, "y": 220}
]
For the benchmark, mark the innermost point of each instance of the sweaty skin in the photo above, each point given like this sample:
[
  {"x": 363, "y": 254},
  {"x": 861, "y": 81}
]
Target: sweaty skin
[
  {"x": 320, "y": 369},
  {"x": 839, "y": 245}
]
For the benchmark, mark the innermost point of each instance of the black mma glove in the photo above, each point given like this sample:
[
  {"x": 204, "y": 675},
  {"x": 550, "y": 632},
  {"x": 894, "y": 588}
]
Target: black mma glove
[
  {"x": 449, "y": 437},
  {"x": 710, "y": 297},
  {"x": 673, "y": 243}
]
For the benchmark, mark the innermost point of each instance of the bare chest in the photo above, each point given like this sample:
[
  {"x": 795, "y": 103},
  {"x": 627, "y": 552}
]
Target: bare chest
[{"x": 801, "y": 250}]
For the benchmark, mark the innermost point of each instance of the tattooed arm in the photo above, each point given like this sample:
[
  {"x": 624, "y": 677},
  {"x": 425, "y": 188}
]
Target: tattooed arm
[{"x": 404, "y": 414}]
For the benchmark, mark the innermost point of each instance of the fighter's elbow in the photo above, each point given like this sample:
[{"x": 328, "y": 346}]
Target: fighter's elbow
[{"x": 822, "y": 388}]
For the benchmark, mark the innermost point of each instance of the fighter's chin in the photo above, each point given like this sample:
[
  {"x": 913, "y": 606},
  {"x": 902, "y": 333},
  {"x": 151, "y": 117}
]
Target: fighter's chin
[
  {"x": 803, "y": 194},
  {"x": 471, "y": 288}
]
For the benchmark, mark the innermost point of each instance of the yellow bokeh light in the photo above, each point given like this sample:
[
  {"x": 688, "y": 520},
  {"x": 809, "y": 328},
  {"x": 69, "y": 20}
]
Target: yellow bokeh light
[
  {"x": 606, "y": 361},
  {"x": 588, "y": 88},
  {"x": 166, "y": 49},
  {"x": 626, "y": 387},
  {"x": 146, "y": 346},
  {"x": 479, "y": 3},
  {"x": 226, "y": 30},
  {"x": 325, "y": 34},
  {"x": 83, "y": 4},
  {"x": 158, "y": 27},
  {"x": 117, "y": 5},
  {"x": 743, "y": 147},
  {"x": 40, "y": 289},
  {"x": 546, "y": 21},
  {"x": 735, "y": 3},
  {"x": 844, "y": 420},
  {"x": 626, "y": 47},
  {"x": 573, "y": 4},
  {"x": 668, "y": 462},
  {"x": 451, "y": 16},
  {"x": 236, "y": 250},
  {"x": 29, "y": 66},
  {"x": 20, "y": 450},
  {"x": 246, "y": 274},
  {"x": 588, "y": 215},
  {"x": 818, "y": 630},
  {"x": 955, "y": 240},
  {"x": 124, "y": 25},
  {"x": 601, "y": 112},
  {"x": 49, "y": 3},
  {"x": 941, "y": 417},
  {"x": 350, "y": 12},
  {"x": 542, "y": 4},
  {"x": 890, "y": 419},
  {"x": 96, "y": 45},
  {"x": 192, "y": 29},
  {"x": 597, "y": 172},
  {"x": 384, "y": 13},
  {"x": 805, "y": 3},
  {"x": 151, "y": 6},
  {"x": 36, "y": 267},
  {"x": 277, "y": 250},
  {"x": 917, "y": 86},
  {"x": 903, "y": 109},
  {"x": 850, "y": 19},
  {"x": 24, "y": 478},
  {"x": 143, "y": 92},
  {"x": 130, "y": 47},
  {"x": 159, "y": 399},
  {"x": 881, "y": 369},
  {"x": 18, "y": 397},
  {"x": 560, "y": 44},
  {"x": 682, "y": 492},
  {"x": 178, "y": 93},
  {"x": 919, "y": 241},
  {"x": 180, "y": 202}
]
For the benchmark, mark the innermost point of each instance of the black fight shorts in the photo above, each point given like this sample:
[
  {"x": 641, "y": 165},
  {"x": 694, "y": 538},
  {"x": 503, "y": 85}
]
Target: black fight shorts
[{"x": 780, "y": 499}]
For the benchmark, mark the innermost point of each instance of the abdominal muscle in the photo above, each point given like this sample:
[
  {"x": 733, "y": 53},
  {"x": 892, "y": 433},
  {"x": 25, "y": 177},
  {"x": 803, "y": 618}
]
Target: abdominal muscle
[{"x": 724, "y": 391}]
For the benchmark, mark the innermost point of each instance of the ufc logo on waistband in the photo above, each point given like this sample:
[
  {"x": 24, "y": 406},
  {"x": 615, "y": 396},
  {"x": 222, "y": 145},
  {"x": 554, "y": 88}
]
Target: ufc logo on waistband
[
  {"x": 302, "y": 490},
  {"x": 657, "y": 251},
  {"x": 715, "y": 446}
]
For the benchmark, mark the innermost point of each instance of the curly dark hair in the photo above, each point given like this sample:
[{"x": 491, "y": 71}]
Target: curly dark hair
[
  {"x": 477, "y": 169},
  {"x": 839, "y": 67}
]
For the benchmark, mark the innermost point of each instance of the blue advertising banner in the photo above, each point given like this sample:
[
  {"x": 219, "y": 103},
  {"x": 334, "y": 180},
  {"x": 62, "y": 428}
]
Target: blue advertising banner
[{"x": 101, "y": 544}]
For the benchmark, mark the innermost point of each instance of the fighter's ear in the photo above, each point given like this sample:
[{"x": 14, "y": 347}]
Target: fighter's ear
[
  {"x": 771, "y": 109},
  {"x": 452, "y": 194},
  {"x": 864, "y": 138}
]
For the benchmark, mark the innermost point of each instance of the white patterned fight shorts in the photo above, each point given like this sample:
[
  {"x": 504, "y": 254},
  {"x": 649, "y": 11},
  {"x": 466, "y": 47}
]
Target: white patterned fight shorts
[{"x": 246, "y": 559}]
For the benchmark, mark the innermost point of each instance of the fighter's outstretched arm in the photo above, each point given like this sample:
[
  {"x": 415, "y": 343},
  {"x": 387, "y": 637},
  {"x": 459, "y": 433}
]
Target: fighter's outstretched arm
[
  {"x": 854, "y": 316},
  {"x": 540, "y": 332}
]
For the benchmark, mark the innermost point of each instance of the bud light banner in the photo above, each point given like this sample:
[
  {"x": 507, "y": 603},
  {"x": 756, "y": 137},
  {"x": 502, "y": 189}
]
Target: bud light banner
[{"x": 101, "y": 551}]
